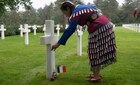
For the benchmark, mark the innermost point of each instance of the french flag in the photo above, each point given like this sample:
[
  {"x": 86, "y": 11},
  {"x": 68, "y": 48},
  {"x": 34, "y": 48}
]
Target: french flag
[{"x": 61, "y": 69}]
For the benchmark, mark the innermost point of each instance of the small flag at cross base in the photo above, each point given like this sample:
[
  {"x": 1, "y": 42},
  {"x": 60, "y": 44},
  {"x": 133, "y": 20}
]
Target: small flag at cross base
[{"x": 61, "y": 68}]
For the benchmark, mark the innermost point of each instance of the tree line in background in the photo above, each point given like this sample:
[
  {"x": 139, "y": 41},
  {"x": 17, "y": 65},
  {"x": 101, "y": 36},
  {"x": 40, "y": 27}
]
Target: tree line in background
[{"x": 117, "y": 14}]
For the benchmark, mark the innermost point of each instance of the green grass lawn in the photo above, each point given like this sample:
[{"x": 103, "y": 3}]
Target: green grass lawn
[{"x": 26, "y": 65}]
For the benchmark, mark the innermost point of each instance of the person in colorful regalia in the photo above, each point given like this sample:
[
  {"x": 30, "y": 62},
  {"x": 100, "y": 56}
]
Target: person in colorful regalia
[{"x": 101, "y": 39}]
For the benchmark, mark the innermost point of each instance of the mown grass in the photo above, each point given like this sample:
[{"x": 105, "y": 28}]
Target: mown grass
[{"x": 26, "y": 65}]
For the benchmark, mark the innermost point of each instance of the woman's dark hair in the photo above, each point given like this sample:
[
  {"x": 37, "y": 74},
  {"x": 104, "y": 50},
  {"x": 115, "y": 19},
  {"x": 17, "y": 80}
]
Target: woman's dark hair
[{"x": 67, "y": 4}]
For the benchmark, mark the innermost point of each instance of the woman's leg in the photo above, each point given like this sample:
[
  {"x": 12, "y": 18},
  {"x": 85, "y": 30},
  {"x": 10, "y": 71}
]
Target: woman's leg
[
  {"x": 96, "y": 77},
  {"x": 96, "y": 73}
]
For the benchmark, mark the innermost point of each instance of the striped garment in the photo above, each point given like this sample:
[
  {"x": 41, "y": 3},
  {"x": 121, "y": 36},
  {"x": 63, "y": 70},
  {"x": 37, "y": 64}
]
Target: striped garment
[{"x": 102, "y": 46}]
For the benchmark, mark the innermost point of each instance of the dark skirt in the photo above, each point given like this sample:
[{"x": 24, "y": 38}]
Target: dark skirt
[{"x": 102, "y": 46}]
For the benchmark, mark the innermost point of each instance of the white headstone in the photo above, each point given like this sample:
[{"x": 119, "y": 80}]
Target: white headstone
[
  {"x": 58, "y": 29},
  {"x": 29, "y": 26},
  {"x": 114, "y": 27},
  {"x": 2, "y": 32},
  {"x": 44, "y": 29},
  {"x": 79, "y": 40},
  {"x": 139, "y": 28},
  {"x": 49, "y": 39},
  {"x": 39, "y": 26},
  {"x": 34, "y": 28},
  {"x": 21, "y": 30},
  {"x": 26, "y": 31}
]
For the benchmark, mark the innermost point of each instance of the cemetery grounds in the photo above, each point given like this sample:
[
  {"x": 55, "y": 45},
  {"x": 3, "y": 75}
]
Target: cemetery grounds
[{"x": 22, "y": 64}]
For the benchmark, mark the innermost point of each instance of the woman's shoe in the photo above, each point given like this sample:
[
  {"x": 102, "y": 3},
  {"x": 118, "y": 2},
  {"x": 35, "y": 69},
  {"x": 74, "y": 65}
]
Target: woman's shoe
[
  {"x": 92, "y": 76},
  {"x": 94, "y": 80}
]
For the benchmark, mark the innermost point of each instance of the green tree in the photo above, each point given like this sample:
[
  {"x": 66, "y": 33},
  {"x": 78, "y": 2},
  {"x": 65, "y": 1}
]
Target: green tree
[
  {"x": 99, "y": 3},
  {"x": 109, "y": 8},
  {"x": 128, "y": 7},
  {"x": 41, "y": 15},
  {"x": 59, "y": 17},
  {"x": 13, "y": 4},
  {"x": 50, "y": 11},
  {"x": 11, "y": 20},
  {"x": 46, "y": 13}
]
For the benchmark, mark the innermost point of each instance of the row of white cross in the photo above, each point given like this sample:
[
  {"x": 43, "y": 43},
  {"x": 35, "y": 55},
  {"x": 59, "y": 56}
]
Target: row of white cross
[
  {"x": 35, "y": 28},
  {"x": 134, "y": 27},
  {"x": 25, "y": 29}
]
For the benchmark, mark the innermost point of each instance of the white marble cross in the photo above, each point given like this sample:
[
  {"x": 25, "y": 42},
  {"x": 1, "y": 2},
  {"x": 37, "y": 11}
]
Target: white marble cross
[
  {"x": 34, "y": 28},
  {"x": 114, "y": 27},
  {"x": 49, "y": 39},
  {"x": 26, "y": 31},
  {"x": 79, "y": 40},
  {"x": 2, "y": 32},
  {"x": 44, "y": 29},
  {"x": 21, "y": 30},
  {"x": 58, "y": 29}
]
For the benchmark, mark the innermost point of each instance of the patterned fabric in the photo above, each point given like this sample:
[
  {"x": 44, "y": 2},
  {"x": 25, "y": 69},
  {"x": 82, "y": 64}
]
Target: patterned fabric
[
  {"x": 101, "y": 46},
  {"x": 78, "y": 17},
  {"x": 100, "y": 21},
  {"x": 80, "y": 12}
]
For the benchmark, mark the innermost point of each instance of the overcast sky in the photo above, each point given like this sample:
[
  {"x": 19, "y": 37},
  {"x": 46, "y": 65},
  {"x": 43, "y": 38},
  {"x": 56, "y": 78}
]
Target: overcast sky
[{"x": 41, "y": 3}]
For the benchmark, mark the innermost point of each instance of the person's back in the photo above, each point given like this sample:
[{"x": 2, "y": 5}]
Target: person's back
[{"x": 82, "y": 13}]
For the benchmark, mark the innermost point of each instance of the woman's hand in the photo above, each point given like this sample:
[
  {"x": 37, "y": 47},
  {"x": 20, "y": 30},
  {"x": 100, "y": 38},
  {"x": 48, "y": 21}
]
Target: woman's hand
[{"x": 55, "y": 46}]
